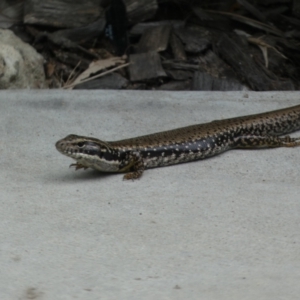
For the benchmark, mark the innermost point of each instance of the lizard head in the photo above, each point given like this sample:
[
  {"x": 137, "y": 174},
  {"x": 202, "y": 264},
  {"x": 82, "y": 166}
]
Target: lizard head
[{"x": 89, "y": 153}]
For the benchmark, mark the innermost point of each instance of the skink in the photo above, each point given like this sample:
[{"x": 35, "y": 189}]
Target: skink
[{"x": 190, "y": 143}]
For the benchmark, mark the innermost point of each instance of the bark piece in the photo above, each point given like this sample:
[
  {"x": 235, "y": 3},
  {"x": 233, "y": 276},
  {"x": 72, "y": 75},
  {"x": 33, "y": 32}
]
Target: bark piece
[
  {"x": 140, "y": 10},
  {"x": 296, "y": 8},
  {"x": 72, "y": 59},
  {"x": 82, "y": 34},
  {"x": 211, "y": 19},
  {"x": 176, "y": 86},
  {"x": 193, "y": 40},
  {"x": 246, "y": 68},
  {"x": 253, "y": 10},
  {"x": 202, "y": 81},
  {"x": 112, "y": 81},
  {"x": 155, "y": 39},
  {"x": 177, "y": 47},
  {"x": 58, "y": 13},
  {"x": 67, "y": 44},
  {"x": 144, "y": 66},
  {"x": 276, "y": 13},
  {"x": 291, "y": 20},
  {"x": 139, "y": 28},
  {"x": 179, "y": 74},
  {"x": 212, "y": 64},
  {"x": 205, "y": 82},
  {"x": 180, "y": 65},
  {"x": 11, "y": 13}
]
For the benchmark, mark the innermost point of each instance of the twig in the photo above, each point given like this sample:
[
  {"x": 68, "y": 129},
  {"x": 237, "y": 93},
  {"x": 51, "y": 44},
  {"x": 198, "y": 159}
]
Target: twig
[{"x": 97, "y": 76}]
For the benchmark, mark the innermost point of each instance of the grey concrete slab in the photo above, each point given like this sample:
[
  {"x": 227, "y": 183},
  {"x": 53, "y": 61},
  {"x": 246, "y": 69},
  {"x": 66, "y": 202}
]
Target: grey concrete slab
[{"x": 222, "y": 228}]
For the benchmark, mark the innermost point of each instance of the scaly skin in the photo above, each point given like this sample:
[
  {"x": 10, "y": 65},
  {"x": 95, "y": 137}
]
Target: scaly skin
[{"x": 183, "y": 144}]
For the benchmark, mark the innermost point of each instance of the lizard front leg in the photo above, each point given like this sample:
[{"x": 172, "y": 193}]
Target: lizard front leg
[
  {"x": 135, "y": 166},
  {"x": 78, "y": 166}
]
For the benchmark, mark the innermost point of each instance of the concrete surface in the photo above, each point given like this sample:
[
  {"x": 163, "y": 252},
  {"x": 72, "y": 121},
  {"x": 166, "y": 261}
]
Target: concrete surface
[{"x": 222, "y": 228}]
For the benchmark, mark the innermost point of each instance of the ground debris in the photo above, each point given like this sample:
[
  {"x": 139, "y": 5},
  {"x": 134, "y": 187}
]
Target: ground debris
[{"x": 175, "y": 44}]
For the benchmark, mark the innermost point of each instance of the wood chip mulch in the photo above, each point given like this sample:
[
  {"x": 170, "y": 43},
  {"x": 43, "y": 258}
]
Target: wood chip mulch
[{"x": 163, "y": 45}]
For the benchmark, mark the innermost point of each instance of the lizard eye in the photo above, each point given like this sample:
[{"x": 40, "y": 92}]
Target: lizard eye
[{"x": 80, "y": 144}]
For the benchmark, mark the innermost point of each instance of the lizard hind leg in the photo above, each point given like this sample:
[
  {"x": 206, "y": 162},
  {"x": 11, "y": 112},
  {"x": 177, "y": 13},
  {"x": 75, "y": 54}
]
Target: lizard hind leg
[
  {"x": 287, "y": 141},
  {"x": 269, "y": 141},
  {"x": 135, "y": 167}
]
